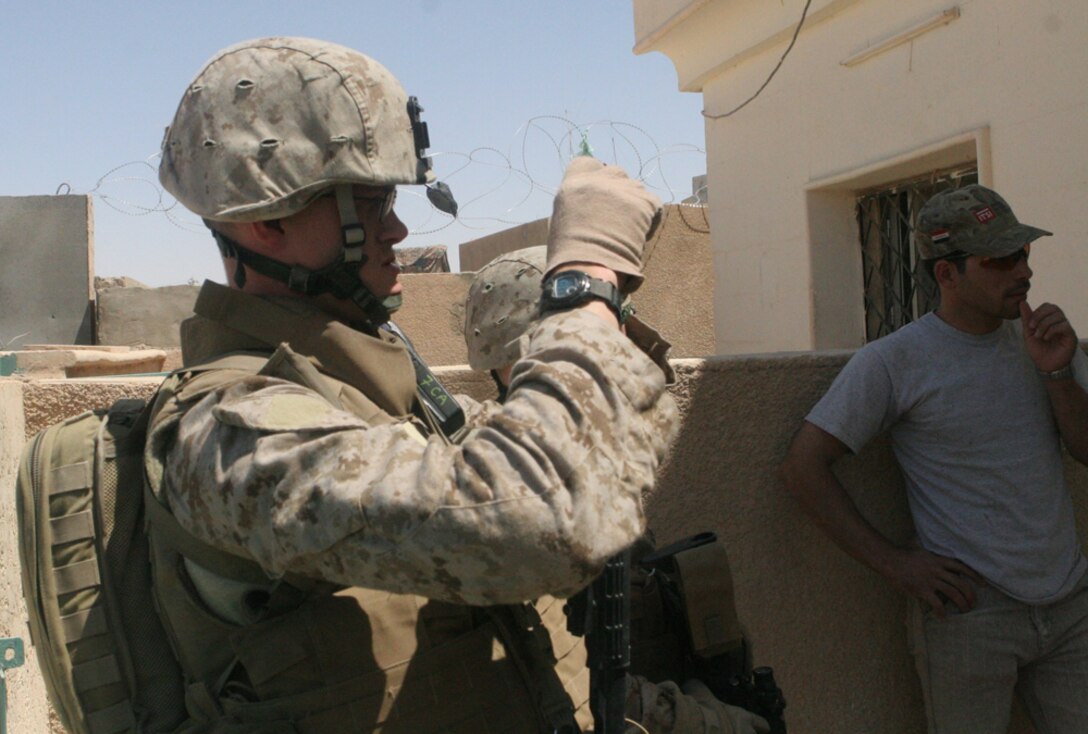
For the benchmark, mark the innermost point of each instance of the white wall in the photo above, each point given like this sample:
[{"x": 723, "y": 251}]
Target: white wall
[{"x": 1002, "y": 83}]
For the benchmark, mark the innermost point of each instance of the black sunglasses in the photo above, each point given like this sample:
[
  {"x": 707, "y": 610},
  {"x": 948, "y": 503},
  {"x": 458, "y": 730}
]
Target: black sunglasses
[{"x": 1005, "y": 262}]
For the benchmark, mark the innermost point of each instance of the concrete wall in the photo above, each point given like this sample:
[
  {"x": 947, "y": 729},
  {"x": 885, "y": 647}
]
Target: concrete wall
[
  {"x": 26, "y": 698},
  {"x": 833, "y": 630},
  {"x": 433, "y": 315},
  {"x": 995, "y": 83},
  {"x": 477, "y": 253},
  {"x": 47, "y": 256},
  {"x": 142, "y": 316},
  {"x": 677, "y": 297}
]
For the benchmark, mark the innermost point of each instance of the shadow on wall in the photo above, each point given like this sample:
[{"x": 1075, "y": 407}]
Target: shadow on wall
[{"x": 833, "y": 630}]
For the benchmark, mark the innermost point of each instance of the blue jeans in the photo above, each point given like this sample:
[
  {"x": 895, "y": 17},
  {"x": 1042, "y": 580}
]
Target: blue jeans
[{"x": 971, "y": 664}]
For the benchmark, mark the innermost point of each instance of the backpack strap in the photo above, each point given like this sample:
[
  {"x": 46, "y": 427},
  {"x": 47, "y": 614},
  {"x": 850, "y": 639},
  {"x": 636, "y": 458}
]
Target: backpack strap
[
  {"x": 285, "y": 364},
  {"x": 529, "y": 646},
  {"x": 292, "y": 586}
]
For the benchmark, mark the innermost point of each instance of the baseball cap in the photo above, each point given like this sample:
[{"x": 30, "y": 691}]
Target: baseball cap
[{"x": 972, "y": 219}]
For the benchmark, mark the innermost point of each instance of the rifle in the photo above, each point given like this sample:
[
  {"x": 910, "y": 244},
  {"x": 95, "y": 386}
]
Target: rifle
[
  {"x": 726, "y": 672},
  {"x": 601, "y": 613}
]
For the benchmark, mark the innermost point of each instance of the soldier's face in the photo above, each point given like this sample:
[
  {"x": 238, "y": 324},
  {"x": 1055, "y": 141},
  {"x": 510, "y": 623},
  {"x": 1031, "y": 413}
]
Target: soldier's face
[{"x": 318, "y": 240}]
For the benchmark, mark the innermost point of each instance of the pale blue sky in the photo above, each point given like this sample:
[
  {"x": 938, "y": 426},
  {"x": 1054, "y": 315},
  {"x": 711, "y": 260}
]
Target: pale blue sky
[{"x": 88, "y": 87}]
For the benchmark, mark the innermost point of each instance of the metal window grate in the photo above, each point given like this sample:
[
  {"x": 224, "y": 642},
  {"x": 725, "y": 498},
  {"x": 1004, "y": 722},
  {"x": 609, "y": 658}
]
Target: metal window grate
[{"x": 897, "y": 288}]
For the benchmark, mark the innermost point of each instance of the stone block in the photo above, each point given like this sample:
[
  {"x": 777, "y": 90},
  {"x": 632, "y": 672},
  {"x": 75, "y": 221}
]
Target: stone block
[
  {"x": 144, "y": 316},
  {"x": 46, "y": 245}
]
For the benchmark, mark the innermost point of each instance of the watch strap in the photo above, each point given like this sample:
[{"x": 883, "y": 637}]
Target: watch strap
[
  {"x": 597, "y": 289},
  {"x": 1064, "y": 373}
]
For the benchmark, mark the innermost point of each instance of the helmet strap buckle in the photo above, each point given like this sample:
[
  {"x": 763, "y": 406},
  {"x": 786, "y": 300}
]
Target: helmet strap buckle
[{"x": 352, "y": 233}]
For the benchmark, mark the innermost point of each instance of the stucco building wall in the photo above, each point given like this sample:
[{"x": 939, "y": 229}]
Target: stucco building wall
[
  {"x": 833, "y": 630},
  {"x": 996, "y": 84}
]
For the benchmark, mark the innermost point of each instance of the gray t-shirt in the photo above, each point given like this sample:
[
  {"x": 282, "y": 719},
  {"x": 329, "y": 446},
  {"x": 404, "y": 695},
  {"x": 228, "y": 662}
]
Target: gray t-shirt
[{"x": 972, "y": 428}]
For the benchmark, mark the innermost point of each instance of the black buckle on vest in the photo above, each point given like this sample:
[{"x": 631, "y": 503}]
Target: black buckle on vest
[{"x": 298, "y": 279}]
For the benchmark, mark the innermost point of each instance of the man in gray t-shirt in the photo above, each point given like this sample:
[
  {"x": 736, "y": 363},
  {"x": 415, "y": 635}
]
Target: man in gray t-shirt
[{"x": 978, "y": 399}]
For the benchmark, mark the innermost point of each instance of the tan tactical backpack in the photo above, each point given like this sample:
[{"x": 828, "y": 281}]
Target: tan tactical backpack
[{"x": 106, "y": 660}]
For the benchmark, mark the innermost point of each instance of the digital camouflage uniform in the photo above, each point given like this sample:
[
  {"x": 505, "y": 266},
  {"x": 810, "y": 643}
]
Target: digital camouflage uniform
[
  {"x": 501, "y": 307},
  {"x": 270, "y": 470},
  {"x": 324, "y": 559}
]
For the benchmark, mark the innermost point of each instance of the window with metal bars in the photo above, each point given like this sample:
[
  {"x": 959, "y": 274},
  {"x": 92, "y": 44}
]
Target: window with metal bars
[{"x": 897, "y": 288}]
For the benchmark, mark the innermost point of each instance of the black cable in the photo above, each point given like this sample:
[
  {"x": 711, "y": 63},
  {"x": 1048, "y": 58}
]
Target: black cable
[{"x": 796, "y": 32}]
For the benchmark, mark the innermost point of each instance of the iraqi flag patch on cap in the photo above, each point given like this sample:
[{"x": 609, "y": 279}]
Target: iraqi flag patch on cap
[{"x": 938, "y": 236}]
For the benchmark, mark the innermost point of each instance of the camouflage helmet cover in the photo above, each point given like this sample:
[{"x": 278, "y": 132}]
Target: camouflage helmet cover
[
  {"x": 269, "y": 124},
  {"x": 503, "y": 300}
]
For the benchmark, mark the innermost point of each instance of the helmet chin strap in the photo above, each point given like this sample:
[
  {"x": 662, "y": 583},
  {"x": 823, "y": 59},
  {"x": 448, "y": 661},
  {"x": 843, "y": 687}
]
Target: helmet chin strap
[
  {"x": 339, "y": 278},
  {"x": 353, "y": 236}
]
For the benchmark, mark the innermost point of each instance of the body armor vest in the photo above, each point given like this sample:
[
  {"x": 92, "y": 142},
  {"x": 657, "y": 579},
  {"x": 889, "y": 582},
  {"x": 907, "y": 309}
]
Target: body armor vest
[{"x": 301, "y": 656}]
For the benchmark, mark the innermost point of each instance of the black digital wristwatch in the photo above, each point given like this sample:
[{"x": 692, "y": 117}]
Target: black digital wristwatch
[{"x": 570, "y": 288}]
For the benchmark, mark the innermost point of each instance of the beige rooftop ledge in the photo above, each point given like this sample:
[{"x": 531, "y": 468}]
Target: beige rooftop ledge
[{"x": 44, "y": 361}]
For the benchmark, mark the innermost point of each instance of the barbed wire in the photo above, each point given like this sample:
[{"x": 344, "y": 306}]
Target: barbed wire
[{"x": 494, "y": 189}]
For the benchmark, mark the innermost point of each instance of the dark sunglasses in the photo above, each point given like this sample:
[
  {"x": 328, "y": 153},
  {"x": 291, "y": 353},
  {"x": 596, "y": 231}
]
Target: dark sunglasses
[{"x": 1005, "y": 262}]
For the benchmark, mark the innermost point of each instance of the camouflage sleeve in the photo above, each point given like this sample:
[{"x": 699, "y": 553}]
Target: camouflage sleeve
[{"x": 534, "y": 500}]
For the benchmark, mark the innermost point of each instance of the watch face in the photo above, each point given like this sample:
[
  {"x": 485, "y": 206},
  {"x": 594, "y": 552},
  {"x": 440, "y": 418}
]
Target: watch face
[{"x": 568, "y": 284}]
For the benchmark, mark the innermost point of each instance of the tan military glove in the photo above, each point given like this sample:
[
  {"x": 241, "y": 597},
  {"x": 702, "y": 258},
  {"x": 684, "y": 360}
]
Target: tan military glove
[
  {"x": 661, "y": 708},
  {"x": 602, "y": 216}
]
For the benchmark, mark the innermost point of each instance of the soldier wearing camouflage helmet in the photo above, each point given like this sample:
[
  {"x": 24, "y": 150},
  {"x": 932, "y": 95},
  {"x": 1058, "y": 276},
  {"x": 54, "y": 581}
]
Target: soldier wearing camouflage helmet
[
  {"x": 338, "y": 554},
  {"x": 979, "y": 397},
  {"x": 502, "y": 305},
  {"x": 503, "y": 300}
]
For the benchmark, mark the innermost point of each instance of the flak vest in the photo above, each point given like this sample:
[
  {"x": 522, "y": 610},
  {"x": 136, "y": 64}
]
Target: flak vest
[{"x": 300, "y": 655}]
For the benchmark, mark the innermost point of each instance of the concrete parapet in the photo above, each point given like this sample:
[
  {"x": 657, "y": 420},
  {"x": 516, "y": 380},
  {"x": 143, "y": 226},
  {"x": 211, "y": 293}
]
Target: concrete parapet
[
  {"x": 134, "y": 316},
  {"x": 474, "y": 254},
  {"x": 832, "y": 629},
  {"x": 433, "y": 315},
  {"x": 53, "y": 361},
  {"x": 677, "y": 297},
  {"x": 27, "y": 707}
]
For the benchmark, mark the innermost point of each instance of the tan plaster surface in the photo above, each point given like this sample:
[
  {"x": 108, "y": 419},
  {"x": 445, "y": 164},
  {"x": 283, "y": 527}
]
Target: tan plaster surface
[
  {"x": 785, "y": 170},
  {"x": 50, "y": 401},
  {"x": 27, "y": 709},
  {"x": 677, "y": 297},
  {"x": 433, "y": 315},
  {"x": 474, "y": 254},
  {"x": 833, "y": 630}
]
